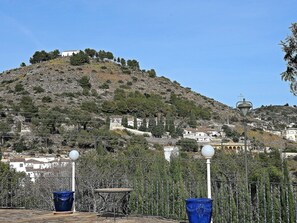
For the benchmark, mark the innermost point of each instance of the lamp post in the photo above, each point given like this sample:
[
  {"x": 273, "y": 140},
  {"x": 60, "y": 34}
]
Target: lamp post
[
  {"x": 244, "y": 106},
  {"x": 73, "y": 155},
  {"x": 208, "y": 152}
]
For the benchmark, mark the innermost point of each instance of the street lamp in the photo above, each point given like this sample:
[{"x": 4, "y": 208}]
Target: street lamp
[
  {"x": 73, "y": 155},
  {"x": 208, "y": 152},
  {"x": 244, "y": 106}
]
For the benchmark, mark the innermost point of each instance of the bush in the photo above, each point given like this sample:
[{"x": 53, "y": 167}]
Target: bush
[
  {"x": 104, "y": 86},
  {"x": 47, "y": 99},
  {"x": 38, "y": 89},
  {"x": 19, "y": 87},
  {"x": 84, "y": 82}
]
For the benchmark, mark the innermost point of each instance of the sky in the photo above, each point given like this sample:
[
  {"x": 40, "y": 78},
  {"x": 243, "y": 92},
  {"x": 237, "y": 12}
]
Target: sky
[{"x": 225, "y": 50}]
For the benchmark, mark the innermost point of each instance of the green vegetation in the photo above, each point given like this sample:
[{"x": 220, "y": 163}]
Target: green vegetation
[
  {"x": 19, "y": 88},
  {"x": 185, "y": 107},
  {"x": 289, "y": 47},
  {"x": 79, "y": 59},
  {"x": 133, "y": 64},
  {"x": 90, "y": 52},
  {"x": 38, "y": 89},
  {"x": 188, "y": 145},
  {"x": 84, "y": 82},
  {"x": 40, "y": 56},
  {"x": 105, "y": 55},
  {"x": 46, "y": 99},
  {"x": 135, "y": 103},
  {"x": 152, "y": 73}
]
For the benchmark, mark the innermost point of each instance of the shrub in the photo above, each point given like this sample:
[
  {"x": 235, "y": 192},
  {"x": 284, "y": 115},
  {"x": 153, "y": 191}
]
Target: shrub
[
  {"x": 104, "y": 86},
  {"x": 19, "y": 87},
  {"x": 84, "y": 82},
  {"x": 46, "y": 99},
  {"x": 38, "y": 89}
]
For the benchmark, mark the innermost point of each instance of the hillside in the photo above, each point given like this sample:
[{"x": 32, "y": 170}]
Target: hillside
[
  {"x": 54, "y": 105},
  {"x": 59, "y": 80}
]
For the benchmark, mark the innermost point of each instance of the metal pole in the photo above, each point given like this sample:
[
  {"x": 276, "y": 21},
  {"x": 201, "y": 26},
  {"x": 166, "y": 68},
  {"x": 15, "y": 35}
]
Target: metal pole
[
  {"x": 73, "y": 184},
  {"x": 208, "y": 179},
  {"x": 245, "y": 157}
]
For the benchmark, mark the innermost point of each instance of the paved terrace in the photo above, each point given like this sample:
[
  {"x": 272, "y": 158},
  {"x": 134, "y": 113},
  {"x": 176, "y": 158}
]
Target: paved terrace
[{"x": 36, "y": 216}]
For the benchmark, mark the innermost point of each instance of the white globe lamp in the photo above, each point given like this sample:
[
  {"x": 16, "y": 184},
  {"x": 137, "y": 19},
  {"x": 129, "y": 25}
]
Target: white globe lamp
[
  {"x": 73, "y": 155},
  {"x": 208, "y": 152}
]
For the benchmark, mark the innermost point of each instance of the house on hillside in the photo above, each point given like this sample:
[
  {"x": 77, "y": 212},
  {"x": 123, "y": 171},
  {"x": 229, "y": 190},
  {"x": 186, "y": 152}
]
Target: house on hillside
[
  {"x": 290, "y": 134},
  {"x": 35, "y": 167},
  {"x": 68, "y": 53},
  {"x": 196, "y": 134}
]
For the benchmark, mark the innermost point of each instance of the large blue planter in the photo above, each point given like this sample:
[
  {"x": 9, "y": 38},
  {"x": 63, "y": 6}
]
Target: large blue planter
[
  {"x": 199, "y": 210},
  {"x": 63, "y": 200}
]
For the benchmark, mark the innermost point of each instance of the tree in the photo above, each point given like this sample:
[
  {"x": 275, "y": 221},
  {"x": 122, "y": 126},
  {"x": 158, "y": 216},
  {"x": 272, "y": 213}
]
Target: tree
[
  {"x": 49, "y": 121},
  {"x": 23, "y": 64},
  {"x": 143, "y": 126},
  {"x": 123, "y": 62},
  {"x": 90, "y": 52},
  {"x": 188, "y": 145},
  {"x": 289, "y": 47},
  {"x": 79, "y": 59},
  {"x": 4, "y": 129},
  {"x": 152, "y": 123},
  {"x": 135, "y": 122},
  {"x": 133, "y": 64},
  {"x": 54, "y": 54},
  {"x": 152, "y": 73},
  {"x": 159, "y": 130},
  {"x": 125, "y": 121},
  {"x": 27, "y": 107},
  {"x": 39, "y": 56},
  {"x": 192, "y": 121}
]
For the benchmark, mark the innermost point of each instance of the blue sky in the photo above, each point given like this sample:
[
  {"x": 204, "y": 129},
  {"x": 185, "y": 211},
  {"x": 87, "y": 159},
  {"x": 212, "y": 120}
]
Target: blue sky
[{"x": 220, "y": 49}]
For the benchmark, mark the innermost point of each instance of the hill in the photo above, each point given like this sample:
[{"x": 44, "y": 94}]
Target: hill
[
  {"x": 54, "y": 105},
  {"x": 60, "y": 81}
]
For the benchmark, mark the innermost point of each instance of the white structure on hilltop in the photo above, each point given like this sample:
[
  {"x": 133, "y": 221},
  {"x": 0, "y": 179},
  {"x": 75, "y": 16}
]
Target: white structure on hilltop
[
  {"x": 68, "y": 53},
  {"x": 170, "y": 151},
  {"x": 35, "y": 167},
  {"x": 290, "y": 134}
]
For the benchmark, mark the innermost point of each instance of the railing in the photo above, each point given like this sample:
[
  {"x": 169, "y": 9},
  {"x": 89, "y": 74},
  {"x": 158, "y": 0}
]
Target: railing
[{"x": 232, "y": 202}]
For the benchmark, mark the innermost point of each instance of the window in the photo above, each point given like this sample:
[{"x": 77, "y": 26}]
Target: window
[{"x": 21, "y": 164}]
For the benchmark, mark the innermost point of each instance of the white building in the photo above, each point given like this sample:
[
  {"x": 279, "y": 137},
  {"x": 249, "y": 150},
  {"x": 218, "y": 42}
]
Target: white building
[
  {"x": 170, "y": 151},
  {"x": 116, "y": 123},
  {"x": 196, "y": 135},
  {"x": 36, "y": 166},
  {"x": 290, "y": 134},
  {"x": 68, "y": 53}
]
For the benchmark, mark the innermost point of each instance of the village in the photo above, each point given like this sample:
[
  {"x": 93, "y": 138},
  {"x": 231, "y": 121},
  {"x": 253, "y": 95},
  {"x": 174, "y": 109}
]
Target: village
[{"x": 49, "y": 164}]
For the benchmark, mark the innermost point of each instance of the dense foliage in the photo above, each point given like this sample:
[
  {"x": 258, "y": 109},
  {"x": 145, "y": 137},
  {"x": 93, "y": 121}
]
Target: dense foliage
[
  {"x": 40, "y": 56},
  {"x": 289, "y": 46},
  {"x": 79, "y": 59}
]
